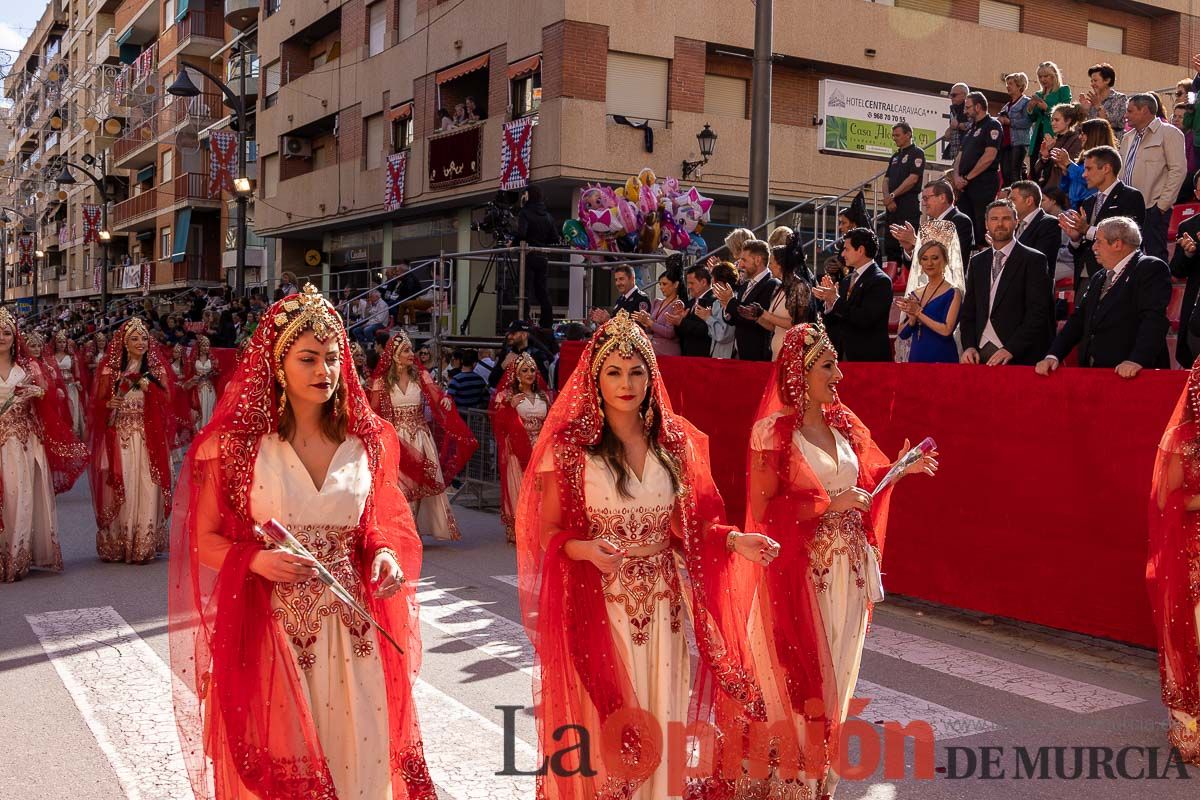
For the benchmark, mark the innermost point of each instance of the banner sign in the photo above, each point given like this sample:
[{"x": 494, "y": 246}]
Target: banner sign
[
  {"x": 858, "y": 119},
  {"x": 454, "y": 157}
]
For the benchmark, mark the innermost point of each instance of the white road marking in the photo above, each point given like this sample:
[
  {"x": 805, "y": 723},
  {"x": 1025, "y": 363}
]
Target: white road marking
[
  {"x": 889, "y": 705},
  {"x": 123, "y": 692},
  {"x": 996, "y": 673}
]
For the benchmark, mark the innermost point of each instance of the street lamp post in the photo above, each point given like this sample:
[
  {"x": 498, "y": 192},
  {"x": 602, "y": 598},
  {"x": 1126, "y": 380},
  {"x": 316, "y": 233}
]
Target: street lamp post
[
  {"x": 4, "y": 220},
  {"x": 105, "y": 235},
  {"x": 183, "y": 87}
]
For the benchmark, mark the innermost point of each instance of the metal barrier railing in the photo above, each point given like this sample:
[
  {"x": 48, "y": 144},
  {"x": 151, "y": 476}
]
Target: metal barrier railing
[{"x": 479, "y": 477}]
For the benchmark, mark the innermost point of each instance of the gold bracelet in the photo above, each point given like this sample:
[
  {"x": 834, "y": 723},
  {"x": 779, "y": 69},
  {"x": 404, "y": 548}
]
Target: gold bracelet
[{"x": 730, "y": 539}]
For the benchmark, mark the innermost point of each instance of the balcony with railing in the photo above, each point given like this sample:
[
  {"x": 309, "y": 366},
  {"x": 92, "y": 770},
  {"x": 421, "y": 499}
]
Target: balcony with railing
[
  {"x": 135, "y": 148},
  {"x": 200, "y": 33},
  {"x": 107, "y": 50},
  {"x": 188, "y": 188}
]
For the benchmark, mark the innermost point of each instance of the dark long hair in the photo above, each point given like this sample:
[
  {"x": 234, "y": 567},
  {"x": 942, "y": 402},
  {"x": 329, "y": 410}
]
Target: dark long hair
[
  {"x": 612, "y": 450},
  {"x": 797, "y": 278}
]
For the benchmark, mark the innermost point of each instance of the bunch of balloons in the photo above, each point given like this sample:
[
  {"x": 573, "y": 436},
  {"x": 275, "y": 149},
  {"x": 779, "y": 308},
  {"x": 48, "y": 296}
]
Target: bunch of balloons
[{"x": 643, "y": 216}]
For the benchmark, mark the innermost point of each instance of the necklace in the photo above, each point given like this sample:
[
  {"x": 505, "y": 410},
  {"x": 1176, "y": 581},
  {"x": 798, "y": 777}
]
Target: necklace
[{"x": 927, "y": 298}]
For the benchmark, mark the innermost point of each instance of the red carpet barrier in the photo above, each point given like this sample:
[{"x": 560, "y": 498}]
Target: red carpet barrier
[{"x": 1039, "y": 510}]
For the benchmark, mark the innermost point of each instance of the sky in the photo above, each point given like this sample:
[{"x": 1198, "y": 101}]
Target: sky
[{"x": 16, "y": 23}]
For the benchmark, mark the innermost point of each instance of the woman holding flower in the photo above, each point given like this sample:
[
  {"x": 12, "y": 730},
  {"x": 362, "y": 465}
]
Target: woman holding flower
[{"x": 132, "y": 425}]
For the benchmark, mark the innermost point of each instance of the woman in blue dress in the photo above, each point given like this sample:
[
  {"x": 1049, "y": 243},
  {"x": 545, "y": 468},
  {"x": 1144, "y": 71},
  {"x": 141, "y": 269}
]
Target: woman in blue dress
[{"x": 930, "y": 310}]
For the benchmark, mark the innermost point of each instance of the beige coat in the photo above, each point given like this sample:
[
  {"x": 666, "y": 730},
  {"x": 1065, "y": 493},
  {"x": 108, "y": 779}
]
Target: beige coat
[{"x": 1160, "y": 167}]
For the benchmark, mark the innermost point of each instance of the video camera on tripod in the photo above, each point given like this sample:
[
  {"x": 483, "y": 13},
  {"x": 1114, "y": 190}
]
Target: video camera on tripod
[{"x": 499, "y": 218}]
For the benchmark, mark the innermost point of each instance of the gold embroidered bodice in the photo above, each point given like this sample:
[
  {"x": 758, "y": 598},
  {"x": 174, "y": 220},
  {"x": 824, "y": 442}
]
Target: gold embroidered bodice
[
  {"x": 533, "y": 415},
  {"x": 408, "y": 414},
  {"x": 839, "y": 533},
  {"x": 18, "y": 421}
]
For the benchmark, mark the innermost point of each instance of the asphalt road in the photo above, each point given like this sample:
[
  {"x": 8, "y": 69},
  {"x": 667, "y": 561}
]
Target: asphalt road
[{"x": 84, "y": 711}]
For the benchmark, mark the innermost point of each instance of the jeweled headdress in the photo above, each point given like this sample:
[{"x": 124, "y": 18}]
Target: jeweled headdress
[
  {"x": 135, "y": 325},
  {"x": 802, "y": 346},
  {"x": 306, "y": 311},
  {"x": 399, "y": 340},
  {"x": 7, "y": 320},
  {"x": 622, "y": 335}
]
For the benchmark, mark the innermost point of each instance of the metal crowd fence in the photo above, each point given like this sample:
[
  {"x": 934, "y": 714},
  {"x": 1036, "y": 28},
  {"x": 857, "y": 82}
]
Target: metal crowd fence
[{"x": 479, "y": 478}]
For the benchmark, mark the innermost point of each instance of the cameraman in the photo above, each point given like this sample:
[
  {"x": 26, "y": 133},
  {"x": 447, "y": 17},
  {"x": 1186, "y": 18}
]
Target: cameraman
[{"x": 537, "y": 227}]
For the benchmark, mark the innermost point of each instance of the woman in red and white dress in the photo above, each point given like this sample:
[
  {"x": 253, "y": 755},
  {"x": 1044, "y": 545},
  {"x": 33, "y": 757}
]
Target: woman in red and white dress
[
  {"x": 402, "y": 392},
  {"x": 519, "y": 410},
  {"x": 620, "y": 487},
  {"x": 39, "y": 457},
  {"x": 72, "y": 370},
  {"x": 202, "y": 372},
  {"x": 133, "y": 426},
  {"x": 1173, "y": 569},
  {"x": 282, "y": 691},
  {"x": 813, "y": 466}
]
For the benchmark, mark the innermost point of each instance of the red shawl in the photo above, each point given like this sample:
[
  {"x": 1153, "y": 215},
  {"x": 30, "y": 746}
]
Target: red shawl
[
  {"x": 581, "y": 679},
  {"x": 79, "y": 372},
  {"x": 160, "y": 427},
  {"x": 242, "y": 712},
  {"x": 1174, "y": 547},
  {"x": 182, "y": 407},
  {"x": 454, "y": 439},
  {"x": 786, "y": 501},
  {"x": 65, "y": 454},
  {"x": 512, "y": 439}
]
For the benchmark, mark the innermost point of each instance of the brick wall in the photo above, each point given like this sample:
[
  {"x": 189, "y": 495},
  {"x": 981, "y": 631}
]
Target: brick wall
[
  {"x": 793, "y": 96},
  {"x": 497, "y": 101},
  {"x": 294, "y": 167},
  {"x": 574, "y": 60},
  {"x": 350, "y": 133},
  {"x": 354, "y": 28},
  {"x": 685, "y": 84},
  {"x": 294, "y": 61}
]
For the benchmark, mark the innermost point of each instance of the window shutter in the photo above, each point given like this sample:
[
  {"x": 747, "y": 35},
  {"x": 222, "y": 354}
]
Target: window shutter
[
  {"x": 272, "y": 79},
  {"x": 1005, "y": 16},
  {"x": 377, "y": 20},
  {"x": 406, "y": 16},
  {"x": 1106, "y": 37},
  {"x": 637, "y": 86},
  {"x": 725, "y": 96},
  {"x": 374, "y": 144}
]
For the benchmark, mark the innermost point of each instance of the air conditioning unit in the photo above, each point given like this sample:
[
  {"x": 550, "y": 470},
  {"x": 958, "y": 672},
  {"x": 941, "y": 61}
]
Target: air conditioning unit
[{"x": 296, "y": 147}]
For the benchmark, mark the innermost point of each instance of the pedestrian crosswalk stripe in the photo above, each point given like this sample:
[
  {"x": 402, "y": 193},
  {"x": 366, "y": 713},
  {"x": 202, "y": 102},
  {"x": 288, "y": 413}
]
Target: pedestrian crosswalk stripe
[{"x": 996, "y": 673}]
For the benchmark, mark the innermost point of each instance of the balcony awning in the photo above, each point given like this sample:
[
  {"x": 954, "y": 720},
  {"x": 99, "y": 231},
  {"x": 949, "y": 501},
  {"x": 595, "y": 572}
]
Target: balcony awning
[
  {"x": 465, "y": 68},
  {"x": 125, "y": 37},
  {"x": 144, "y": 235},
  {"x": 526, "y": 66},
  {"x": 181, "y": 10},
  {"x": 402, "y": 111},
  {"x": 183, "y": 222},
  {"x": 146, "y": 174}
]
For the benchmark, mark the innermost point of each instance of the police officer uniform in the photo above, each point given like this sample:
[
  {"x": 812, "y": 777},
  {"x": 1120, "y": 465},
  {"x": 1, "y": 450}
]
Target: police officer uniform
[
  {"x": 973, "y": 200},
  {"x": 906, "y": 161}
]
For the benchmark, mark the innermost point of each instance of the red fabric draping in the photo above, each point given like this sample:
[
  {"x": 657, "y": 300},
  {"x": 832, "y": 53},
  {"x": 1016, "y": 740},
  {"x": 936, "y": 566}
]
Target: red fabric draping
[{"x": 1044, "y": 480}]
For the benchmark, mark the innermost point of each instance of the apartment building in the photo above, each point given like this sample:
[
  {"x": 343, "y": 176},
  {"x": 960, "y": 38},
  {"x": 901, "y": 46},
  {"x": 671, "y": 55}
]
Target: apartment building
[
  {"x": 89, "y": 94},
  {"x": 348, "y": 82}
]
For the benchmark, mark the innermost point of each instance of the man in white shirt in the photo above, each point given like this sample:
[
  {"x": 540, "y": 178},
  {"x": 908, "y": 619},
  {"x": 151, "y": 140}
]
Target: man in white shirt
[
  {"x": 377, "y": 316},
  {"x": 1121, "y": 320},
  {"x": 1154, "y": 156}
]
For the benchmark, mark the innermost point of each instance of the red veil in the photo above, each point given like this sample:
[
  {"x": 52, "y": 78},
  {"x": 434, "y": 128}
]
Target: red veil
[
  {"x": 511, "y": 437},
  {"x": 454, "y": 439},
  {"x": 78, "y": 369},
  {"x": 243, "y": 719},
  {"x": 786, "y": 501},
  {"x": 1173, "y": 566},
  {"x": 581, "y": 679},
  {"x": 160, "y": 425},
  {"x": 182, "y": 405},
  {"x": 65, "y": 454}
]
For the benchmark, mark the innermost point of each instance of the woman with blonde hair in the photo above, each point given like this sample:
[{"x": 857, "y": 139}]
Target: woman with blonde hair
[
  {"x": 1015, "y": 118},
  {"x": 1053, "y": 93},
  {"x": 779, "y": 236},
  {"x": 735, "y": 240}
]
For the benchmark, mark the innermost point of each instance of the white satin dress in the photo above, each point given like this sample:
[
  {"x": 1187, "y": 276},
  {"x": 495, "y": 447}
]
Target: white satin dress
[
  {"x": 139, "y": 531},
  {"x": 66, "y": 365},
  {"x": 532, "y": 410},
  {"x": 206, "y": 393},
  {"x": 432, "y": 513},
  {"x": 30, "y": 534}
]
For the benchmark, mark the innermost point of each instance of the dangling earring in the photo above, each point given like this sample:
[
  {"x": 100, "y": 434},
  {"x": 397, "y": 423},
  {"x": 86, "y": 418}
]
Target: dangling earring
[
  {"x": 282, "y": 391},
  {"x": 648, "y": 419}
]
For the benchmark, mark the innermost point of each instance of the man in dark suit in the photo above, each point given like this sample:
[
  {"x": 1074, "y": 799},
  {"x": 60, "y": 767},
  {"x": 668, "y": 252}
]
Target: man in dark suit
[
  {"x": 1186, "y": 264},
  {"x": 753, "y": 296},
  {"x": 692, "y": 330},
  {"x": 860, "y": 314},
  {"x": 1121, "y": 321},
  {"x": 1101, "y": 165},
  {"x": 1007, "y": 302},
  {"x": 1035, "y": 228},
  {"x": 629, "y": 297},
  {"x": 937, "y": 201}
]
